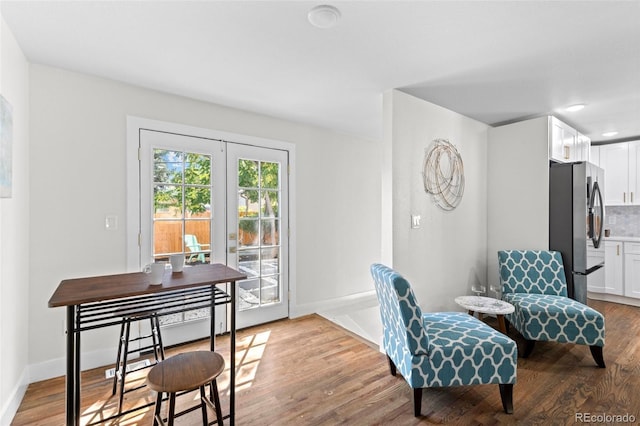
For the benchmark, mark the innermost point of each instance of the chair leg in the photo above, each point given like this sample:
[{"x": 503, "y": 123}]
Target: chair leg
[
  {"x": 528, "y": 348},
  {"x": 154, "y": 339},
  {"x": 159, "y": 335},
  {"x": 157, "y": 420},
  {"x": 506, "y": 394},
  {"x": 125, "y": 355},
  {"x": 596, "y": 352},
  {"x": 172, "y": 408},
  {"x": 203, "y": 397},
  {"x": 117, "y": 368},
  {"x": 216, "y": 401},
  {"x": 417, "y": 401},
  {"x": 158, "y": 348},
  {"x": 392, "y": 366}
]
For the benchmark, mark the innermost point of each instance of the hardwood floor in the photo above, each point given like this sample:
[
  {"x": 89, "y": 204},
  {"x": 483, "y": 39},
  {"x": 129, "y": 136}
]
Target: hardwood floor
[{"x": 308, "y": 371}]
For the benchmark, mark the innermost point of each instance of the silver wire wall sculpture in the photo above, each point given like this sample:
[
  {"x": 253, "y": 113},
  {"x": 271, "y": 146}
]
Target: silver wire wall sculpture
[{"x": 443, "y": 174}]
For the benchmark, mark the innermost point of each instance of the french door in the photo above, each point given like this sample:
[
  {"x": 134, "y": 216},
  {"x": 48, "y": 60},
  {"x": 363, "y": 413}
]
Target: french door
[
  {"x": 217, "y": 202},
  {"x": 257, "y": 218}
]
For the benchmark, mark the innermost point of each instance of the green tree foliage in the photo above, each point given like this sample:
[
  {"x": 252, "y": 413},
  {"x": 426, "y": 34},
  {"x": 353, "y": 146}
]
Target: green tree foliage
[
  {"x": 171, "y": 170},
  {"x": 255, "y": 177}
]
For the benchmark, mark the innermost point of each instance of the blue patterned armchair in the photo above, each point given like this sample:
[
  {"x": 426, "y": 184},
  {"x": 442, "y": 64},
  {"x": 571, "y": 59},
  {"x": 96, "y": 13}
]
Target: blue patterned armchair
[
  {"x": 440, "y": 349},
  {"x": 534, "y": 283}
]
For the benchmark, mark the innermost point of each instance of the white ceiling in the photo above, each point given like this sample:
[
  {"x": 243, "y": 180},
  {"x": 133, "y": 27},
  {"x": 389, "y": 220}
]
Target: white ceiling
[{"x": 494, "y": 61}]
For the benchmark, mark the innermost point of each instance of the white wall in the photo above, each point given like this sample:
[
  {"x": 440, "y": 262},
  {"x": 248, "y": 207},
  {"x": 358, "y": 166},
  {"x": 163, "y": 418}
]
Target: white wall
[
  {"x": 14, "y": 233},
  {"x": 78, "y": 132},
  {"x": 518, "y": 189},
  {"x": 447, "y": 253}
]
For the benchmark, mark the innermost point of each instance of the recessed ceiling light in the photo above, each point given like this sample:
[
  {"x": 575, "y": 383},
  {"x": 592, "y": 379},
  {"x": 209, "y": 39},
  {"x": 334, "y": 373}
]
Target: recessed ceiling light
[
  {"x": 609, "y": 134},
  {"x": 324, "y": 16},
  {"x": 576, "y": 107}
]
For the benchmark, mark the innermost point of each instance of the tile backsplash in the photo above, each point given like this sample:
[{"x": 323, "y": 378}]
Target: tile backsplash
[{"x": 623, "y": 221}]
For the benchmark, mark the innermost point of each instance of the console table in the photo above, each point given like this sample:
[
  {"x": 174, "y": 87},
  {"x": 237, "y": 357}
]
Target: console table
[{"x": 96, "y": 302}]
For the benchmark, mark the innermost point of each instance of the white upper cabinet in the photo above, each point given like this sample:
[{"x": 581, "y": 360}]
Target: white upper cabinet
[
  {"x": 566, "y": 144},
  {"x": 583, "y": 148},
  {"x": 594, "y": 155},
  {"x": 620, "y": 162},
  {"x": 614, "y": 159},
  {"x": 634, "y": 172}
]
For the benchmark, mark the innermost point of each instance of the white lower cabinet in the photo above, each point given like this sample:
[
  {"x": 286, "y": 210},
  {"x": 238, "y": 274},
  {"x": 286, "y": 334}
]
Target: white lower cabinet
[
  {"x": 613, "y": 268},
  {"x": 632, "y": 269}
]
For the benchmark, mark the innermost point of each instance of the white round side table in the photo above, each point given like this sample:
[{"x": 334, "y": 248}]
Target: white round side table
[{"x": 487, "y": 305}]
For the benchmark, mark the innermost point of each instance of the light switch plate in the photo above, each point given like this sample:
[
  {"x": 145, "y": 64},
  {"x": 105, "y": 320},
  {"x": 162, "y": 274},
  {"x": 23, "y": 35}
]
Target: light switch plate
[
  {"x": 111, "y": 223},
  {"x": 415, "y": 221}
]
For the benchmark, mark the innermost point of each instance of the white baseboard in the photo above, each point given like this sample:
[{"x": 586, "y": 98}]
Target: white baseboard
[
  {"x": 330, "y": 304},
  {"x": 10, "y": 407},
  {"x": 613, "y": 298},
  {"x": 58, "y": 367}
]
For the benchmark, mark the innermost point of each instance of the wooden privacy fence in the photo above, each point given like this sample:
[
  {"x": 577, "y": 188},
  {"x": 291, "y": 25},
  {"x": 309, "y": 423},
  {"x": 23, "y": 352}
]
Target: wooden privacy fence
[{"x": 168, "y": 235}]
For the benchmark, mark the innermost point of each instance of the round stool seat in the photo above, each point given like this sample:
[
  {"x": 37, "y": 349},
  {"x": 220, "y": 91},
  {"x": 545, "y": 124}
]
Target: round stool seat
[{"x": 185, "y": 371}]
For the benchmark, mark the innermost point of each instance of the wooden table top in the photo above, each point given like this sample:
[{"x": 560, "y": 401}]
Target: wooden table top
[{"x": 93, "y": 289}]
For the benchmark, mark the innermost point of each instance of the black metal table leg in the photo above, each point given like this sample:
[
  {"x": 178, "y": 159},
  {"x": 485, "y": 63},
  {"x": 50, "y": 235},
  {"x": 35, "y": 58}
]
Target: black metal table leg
[
  {"x": 73, "y": 368},
  {"x": 212, "y": 325},
  {"x": 70, "y": 407},
  {"x": 232, "y": 371}
]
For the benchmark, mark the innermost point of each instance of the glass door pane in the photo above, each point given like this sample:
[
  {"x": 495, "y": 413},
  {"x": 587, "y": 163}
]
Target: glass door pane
[
  {"x": 182, "y": 205},
  {"x": 258, "y": 230}
]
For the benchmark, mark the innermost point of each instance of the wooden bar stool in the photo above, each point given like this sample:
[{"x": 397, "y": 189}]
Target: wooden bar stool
[
  {"x": 156, "y": 346},
  {"x": 187, "y": 372}
]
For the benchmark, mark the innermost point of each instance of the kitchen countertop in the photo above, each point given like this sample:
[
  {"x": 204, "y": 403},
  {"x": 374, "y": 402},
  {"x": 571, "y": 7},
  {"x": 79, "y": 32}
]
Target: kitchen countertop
[{"x": 629, "y": 239}]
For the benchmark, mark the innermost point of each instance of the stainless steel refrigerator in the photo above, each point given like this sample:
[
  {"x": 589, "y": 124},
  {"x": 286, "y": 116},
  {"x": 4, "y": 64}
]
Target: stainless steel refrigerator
[{"x": 576, "y": 221}]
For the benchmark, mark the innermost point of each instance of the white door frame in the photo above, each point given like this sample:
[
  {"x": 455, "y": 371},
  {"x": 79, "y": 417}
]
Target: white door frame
[{"x": 135, "y": 124}]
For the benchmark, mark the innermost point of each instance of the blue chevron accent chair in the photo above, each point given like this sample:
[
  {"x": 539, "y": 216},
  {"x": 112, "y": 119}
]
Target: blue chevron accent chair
[
  {"x": 440, "y": 349},
  {"x": 534, "y": 282}
]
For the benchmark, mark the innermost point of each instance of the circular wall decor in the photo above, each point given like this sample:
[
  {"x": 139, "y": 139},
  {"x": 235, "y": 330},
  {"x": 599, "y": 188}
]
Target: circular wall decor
[{"x": 443, "y": 174}]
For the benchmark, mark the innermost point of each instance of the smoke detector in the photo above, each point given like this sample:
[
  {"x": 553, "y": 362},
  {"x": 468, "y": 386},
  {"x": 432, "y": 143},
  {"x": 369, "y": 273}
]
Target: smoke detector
[{"x": 324, "y": 16}]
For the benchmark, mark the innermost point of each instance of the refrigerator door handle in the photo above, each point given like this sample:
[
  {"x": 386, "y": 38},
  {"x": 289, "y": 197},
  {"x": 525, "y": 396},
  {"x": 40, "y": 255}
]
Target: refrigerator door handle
[
  {"x": 593, "y": 268},
  {"x": 595, "y": 232}
]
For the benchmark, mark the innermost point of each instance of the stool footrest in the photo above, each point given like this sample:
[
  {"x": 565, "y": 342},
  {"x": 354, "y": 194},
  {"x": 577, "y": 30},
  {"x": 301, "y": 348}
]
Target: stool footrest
[
  {"x": 135, "y": 339},
  {"x": 209, "y": 403},
  {"x": 131, "y": 389},
  {"x": 144, "y": 350},
  {"x": 186, "y": 411},
  {"x": 159, "y": 419}
]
